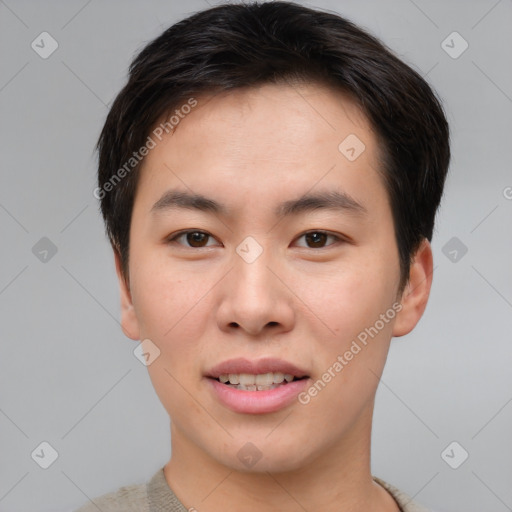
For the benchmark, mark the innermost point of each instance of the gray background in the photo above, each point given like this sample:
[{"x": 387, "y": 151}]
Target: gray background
[{"x": 68, "y": 375}]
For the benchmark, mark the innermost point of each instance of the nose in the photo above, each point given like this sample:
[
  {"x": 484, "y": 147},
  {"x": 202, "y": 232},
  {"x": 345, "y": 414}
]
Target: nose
[{"x": 255, "y": 298}]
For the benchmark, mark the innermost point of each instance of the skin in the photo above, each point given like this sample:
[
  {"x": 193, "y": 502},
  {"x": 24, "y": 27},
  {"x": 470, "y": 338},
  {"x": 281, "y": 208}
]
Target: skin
[{"x": 201, "y": 303}]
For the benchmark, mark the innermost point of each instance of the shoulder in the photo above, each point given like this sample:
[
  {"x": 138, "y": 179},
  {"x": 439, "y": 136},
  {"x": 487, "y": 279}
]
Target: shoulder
[
  {"x": 129, "y": 498},
  {"x": 404, "y": 501}
]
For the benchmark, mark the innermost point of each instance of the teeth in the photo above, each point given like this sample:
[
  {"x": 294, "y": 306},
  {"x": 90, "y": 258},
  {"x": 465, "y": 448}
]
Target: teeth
[
  {"x": 256, "y": 388},
  {"x": 278, "y": 378},
  {"x": 262, "y": 380},
  {"x": 246, "y": 379}
]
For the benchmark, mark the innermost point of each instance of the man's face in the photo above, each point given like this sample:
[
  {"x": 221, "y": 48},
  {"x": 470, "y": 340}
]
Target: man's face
[{"x": 257, "y": 280}]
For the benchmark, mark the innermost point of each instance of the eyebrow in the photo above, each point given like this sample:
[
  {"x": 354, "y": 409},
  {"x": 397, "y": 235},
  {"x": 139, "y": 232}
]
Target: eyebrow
[
  {"x": 324, "y": 200},
  {"x": 176, "y": 199}
]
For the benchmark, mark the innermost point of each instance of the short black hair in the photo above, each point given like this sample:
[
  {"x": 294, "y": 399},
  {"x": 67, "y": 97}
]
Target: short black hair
[{"x": 235, "y": 46}]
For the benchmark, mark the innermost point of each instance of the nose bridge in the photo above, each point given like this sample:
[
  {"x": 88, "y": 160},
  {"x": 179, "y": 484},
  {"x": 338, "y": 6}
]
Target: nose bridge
[
  {"x": 252, "y": 277},
  {"x": 254, "y": 297}
]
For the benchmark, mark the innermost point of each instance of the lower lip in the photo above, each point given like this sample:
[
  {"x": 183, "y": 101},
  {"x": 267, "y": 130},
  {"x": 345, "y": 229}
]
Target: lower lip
[{"x": 258, "y": 402}]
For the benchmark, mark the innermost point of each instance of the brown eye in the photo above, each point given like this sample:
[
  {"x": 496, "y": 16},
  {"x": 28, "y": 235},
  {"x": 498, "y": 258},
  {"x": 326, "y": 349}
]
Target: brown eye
[
  {"x": 318, "y": 239},
  {"x": 194, "y": 239}
]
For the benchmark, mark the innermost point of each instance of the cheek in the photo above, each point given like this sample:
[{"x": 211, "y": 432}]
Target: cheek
[
  {"x": 350, "y": 362},
  {"x": 347, "y": 301},
  {"x": 168, "y": 306},
  {"x": 356, "y": 304},
  {"x": 165, "y": 298}
]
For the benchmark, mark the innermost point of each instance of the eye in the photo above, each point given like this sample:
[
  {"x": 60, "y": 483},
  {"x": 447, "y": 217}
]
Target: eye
[
  {"x": 317, "y": 239},
  {"x": 195, "y": 239}
]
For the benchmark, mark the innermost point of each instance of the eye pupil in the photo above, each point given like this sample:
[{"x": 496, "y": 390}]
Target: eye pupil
[
  {"x": 316, "y": 238},
  {"x": 196, "y": 237}
]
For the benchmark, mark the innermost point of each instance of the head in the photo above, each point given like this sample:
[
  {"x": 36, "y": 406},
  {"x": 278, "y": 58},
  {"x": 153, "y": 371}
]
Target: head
[{"x": 229, "y": 118}]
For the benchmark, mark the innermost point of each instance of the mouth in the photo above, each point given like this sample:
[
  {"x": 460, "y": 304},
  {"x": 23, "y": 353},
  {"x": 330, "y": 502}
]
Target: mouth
[
  {"x": 258, "y": 386},
  {"x": 258, "y": 382}
]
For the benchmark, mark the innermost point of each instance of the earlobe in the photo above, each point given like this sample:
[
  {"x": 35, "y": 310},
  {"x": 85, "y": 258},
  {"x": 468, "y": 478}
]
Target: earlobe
[
  {"x": 129, "y": 321},
  {"x": 416, "y": 293}
]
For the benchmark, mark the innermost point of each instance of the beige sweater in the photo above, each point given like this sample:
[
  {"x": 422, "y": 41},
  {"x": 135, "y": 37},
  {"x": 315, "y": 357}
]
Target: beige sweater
[{"x": 157, "y": 496}]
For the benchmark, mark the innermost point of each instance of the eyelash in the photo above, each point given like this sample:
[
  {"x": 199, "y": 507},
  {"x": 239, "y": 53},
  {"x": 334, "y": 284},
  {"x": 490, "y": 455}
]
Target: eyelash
[{"x": 175, "y": 237}]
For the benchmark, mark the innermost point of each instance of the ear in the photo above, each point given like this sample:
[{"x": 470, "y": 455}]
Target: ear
[
  {"x": 129, "y": 322},
  {"x": 416, "y": 292}
]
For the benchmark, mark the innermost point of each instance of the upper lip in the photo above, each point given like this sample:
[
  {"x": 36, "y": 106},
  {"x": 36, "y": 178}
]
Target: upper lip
[{"x": 255, "y": 367}]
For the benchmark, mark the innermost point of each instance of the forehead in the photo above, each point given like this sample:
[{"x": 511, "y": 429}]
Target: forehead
[{"x": 266, "y": 141}]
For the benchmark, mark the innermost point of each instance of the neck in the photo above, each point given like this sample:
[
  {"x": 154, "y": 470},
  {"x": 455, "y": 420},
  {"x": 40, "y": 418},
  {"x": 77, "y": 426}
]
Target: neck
[{"x": 338, "y": 479}]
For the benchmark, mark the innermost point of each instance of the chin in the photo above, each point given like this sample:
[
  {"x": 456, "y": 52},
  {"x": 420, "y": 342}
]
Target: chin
[
  {"x": 264, "y": 456},
  {"x": 268, "y": 465}
]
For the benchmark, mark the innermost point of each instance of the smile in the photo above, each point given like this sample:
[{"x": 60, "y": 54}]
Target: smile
[
  {"x": 259, "y": 382},
  {"x": 256, "y": 386}
]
